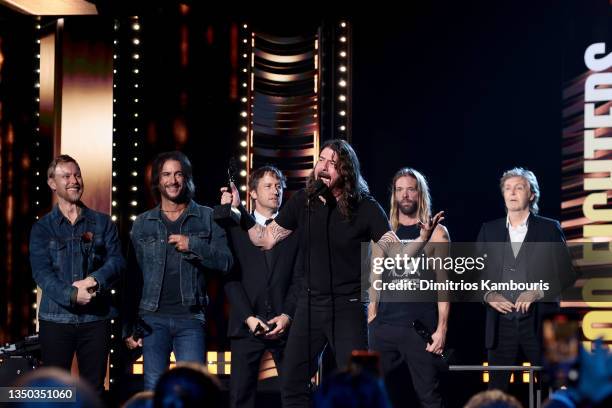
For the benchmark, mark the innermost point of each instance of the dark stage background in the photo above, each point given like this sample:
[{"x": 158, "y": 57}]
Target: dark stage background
[
  {"x": 480, "y": 95},
  {"x": 459, "y": 91}
]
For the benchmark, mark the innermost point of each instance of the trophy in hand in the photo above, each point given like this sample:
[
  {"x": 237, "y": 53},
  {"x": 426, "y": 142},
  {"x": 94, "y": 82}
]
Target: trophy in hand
[{"x": 224, "y": 214}]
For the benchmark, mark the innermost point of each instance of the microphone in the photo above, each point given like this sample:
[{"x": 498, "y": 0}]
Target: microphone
[
  {"x": 319, "y": 189},
  {"x": 444, "y": 359},
  {"x": 225, "y": 215},
  {"x": 422, "y": 331}
]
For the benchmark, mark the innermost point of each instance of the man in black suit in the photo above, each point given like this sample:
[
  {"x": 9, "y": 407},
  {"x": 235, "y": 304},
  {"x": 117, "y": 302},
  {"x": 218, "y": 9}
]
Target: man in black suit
[
  {"x": 524, "y": 248},
  {"x": 261, "y": 289}
]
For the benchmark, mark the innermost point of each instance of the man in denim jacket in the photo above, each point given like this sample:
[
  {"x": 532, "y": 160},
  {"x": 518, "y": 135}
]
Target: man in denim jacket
[
  {"x": 75, "y": 255},
  {"x": 176, "y": 244}
]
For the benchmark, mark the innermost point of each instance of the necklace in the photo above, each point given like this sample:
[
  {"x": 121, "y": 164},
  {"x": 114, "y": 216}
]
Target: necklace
[{"x": 173, "y": 211}]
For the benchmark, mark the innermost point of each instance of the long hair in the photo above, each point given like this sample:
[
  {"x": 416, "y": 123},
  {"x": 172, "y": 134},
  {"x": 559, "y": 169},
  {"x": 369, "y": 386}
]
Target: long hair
[
  {"x": 354, "y": 187},
  {"x": 423, "y": 202},
  {"x": 533, "y": 185},
  {"x": 159, "y": 162}
]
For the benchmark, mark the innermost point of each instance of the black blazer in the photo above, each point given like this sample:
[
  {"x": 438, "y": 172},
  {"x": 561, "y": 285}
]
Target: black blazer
[
  {"x": 251, "y": 281},
  {"x": 550, "y": 263}
]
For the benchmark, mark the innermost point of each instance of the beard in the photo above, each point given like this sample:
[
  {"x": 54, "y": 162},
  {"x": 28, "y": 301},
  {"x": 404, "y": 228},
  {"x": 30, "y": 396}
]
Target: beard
[
  {"x": 407, "y": 207},
  {"x": 324, "y": 176},
  {"x": 180, "y": 198},
  {"x": 72, "y": 196},
  {"x": 333, "y": 184}
]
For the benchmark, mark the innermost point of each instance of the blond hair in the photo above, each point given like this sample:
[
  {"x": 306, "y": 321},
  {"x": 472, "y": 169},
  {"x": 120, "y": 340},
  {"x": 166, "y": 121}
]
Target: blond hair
[
  {"x": 423, "y": 202},
  {"x": 61, "y": 159}
]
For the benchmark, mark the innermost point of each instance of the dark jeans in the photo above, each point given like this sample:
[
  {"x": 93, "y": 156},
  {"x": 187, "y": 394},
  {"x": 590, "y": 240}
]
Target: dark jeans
[
  {"x": 90, "y": 341},
  {"x": 183, "y": 335},
  {"x": 343, "y": 328},
  {"x": 401, "y": 347},
  {"x": 246, "y": 358},
  {"x": 512, "y": 336}
]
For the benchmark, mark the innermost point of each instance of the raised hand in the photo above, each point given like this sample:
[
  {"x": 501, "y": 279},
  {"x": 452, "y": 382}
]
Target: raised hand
[
  {"x": 230, "y": 195},
  {"x": 428, "y": 228}
]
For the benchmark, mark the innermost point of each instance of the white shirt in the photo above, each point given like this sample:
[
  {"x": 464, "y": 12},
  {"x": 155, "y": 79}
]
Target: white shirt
[
  {"x": 261, "y": 219},
  {"x": 517, "y": 234}
]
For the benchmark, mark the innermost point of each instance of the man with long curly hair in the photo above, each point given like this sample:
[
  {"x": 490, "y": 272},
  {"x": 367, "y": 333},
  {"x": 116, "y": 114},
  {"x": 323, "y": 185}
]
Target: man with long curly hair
[{"x": 333, "y": 223}]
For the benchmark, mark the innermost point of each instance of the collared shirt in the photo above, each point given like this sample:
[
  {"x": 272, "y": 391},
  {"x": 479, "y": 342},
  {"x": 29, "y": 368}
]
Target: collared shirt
[
  {"x": 517, "y": 234},
  {"x": 261, "y": 219}
]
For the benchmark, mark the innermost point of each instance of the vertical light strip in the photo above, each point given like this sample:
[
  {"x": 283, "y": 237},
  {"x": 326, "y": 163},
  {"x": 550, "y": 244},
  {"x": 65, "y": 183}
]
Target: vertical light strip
[
  {"x": 116, "y": 166},
  {"x": 126, "y": 135},
  {"x": 246, "y": 103},
  {"x": 130, "y": 126},
  {"x": 134, "y": 119},
  {"x": 316, "y": 107},
  {"x": 343, "y": 75},
  {"x": 36, "y": 168},
  {"x": 115, "y": 174},
  {"x": 39, "y": 173}
]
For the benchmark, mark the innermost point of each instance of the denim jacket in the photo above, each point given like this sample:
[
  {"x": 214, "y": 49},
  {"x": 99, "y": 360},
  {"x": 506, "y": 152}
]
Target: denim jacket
[
  {"x": 61, "y": 253},
  {"x": 208, "y": 250}
]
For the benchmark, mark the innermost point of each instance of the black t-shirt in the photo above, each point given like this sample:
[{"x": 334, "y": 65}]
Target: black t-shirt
[
  {"x": 404, "y": 313},
  {"x": 170, "y": 299},
  {"x": 335, "y": 241}
]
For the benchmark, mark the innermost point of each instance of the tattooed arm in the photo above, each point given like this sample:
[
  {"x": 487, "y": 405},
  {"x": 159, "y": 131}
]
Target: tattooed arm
[
  {"x": 266, "y": 237},
  {"x": 391, "y": 246},
  {"x": 389, "y": 242}
]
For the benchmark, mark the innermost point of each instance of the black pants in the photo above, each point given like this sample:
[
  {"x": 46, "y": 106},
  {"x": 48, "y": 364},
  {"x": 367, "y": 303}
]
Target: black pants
[
  {"x": 400, "y": 348},
  {"x": 246, "y": 358},
  {"x": 90, "y": 341},
  {"x": 343, "y": 327},
  {"x": 512, "y": 336}
]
